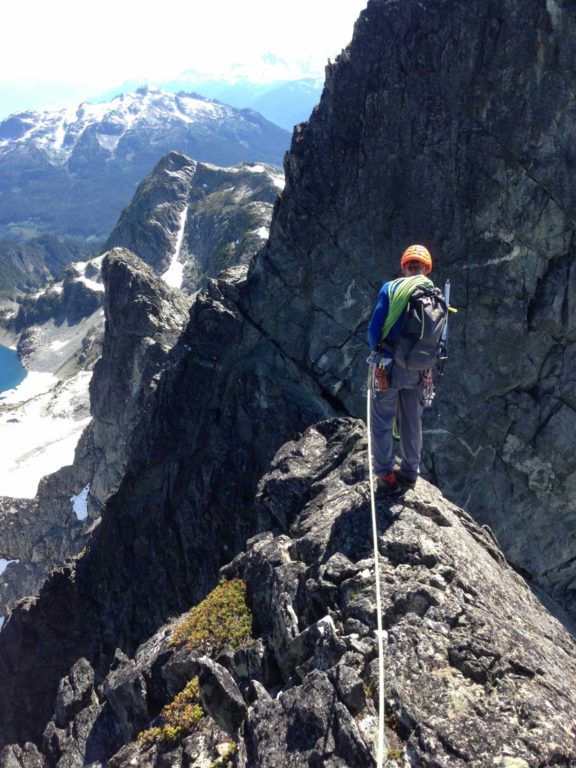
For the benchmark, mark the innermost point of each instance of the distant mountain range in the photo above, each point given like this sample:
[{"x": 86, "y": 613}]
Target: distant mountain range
[
  {"x": 272, "y": 89},
  {"x": 71, "y": 172},
  {"x": 285, "y": 102}
]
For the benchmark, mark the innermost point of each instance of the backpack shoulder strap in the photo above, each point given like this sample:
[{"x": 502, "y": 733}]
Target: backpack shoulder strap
[{"x": 399, "y": 293}]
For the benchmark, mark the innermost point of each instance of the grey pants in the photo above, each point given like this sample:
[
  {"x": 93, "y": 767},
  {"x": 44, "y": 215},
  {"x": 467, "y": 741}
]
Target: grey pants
[{"x": 403, "y": 400}]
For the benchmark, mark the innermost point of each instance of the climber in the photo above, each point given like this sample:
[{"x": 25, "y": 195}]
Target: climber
[{"x": 399, "y": 389}]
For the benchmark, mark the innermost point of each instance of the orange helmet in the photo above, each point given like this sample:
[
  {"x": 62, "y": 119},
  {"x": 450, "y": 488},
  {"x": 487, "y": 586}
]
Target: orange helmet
[{"x": 417, "y": 253}]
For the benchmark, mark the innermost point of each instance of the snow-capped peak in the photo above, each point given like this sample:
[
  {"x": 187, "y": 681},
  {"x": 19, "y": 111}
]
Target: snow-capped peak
[{"x": 58, "y": 133}]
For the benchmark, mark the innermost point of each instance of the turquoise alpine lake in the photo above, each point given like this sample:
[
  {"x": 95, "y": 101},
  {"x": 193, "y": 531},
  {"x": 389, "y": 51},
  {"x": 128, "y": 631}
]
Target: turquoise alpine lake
[{"x": 12, "y": 372}]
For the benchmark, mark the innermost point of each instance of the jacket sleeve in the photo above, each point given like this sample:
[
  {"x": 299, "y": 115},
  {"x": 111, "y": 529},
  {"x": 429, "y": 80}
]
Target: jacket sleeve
[{"x": 378, "y": 317}]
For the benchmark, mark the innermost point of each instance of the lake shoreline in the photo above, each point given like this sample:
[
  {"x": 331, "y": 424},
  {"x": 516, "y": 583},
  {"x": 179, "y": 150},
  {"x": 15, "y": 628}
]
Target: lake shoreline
[{"x": 12, "y": 372}]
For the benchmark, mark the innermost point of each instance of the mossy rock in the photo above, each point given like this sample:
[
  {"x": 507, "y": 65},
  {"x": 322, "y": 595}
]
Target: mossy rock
[{"x": 221, "y": 619}]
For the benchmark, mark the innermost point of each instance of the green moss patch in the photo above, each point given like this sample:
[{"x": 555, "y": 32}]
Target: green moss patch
[
  {"x": 178, "y": 718},
  {"x": 222, "y": 618}
]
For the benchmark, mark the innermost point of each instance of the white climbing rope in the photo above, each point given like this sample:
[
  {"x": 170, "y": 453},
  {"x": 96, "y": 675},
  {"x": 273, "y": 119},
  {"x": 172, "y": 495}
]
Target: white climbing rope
[{"x": 381, "y": 743}]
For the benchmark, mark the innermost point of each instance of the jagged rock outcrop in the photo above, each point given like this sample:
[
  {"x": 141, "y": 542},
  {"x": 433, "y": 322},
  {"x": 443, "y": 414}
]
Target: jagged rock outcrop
[
  {"x": 37, "y": 534},
  {"x": 477, "y": 672},
  {"x": 203, "y": 217},
  {"x": 225, "y": 401},
  {"x": 59, "y": 335},
  {"x": 144, "y": 318},
  {"x": 228, "y": 211},
  {"x": 40, "y": 320}
]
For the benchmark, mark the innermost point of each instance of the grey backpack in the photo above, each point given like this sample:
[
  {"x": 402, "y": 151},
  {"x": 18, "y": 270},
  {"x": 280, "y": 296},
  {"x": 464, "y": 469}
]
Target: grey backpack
[{"x": 416, "y": 348}]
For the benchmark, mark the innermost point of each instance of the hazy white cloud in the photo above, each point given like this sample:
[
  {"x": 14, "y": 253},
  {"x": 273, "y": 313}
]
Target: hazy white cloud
[{"x": 108, "y": 42}]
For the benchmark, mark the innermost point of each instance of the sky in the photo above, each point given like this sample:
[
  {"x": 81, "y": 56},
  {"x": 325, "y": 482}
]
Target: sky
[{"x": 66, "y": 48}]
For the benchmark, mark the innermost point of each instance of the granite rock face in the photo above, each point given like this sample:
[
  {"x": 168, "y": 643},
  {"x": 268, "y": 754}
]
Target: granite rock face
[
  {"x": 144, "y": 318},
  {"x": 477, "y": 672}
]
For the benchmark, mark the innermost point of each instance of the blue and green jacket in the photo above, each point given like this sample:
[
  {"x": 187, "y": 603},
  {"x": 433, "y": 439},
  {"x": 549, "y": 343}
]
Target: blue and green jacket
[{"x": 379, "y": 318}]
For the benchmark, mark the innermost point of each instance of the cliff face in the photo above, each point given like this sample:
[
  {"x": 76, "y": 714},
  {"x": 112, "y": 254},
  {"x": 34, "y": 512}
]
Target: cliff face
[
  {"x": 442, "y": 138},
  {"x": 450, "y": 124},
  {"x": 144, "y": 320}
]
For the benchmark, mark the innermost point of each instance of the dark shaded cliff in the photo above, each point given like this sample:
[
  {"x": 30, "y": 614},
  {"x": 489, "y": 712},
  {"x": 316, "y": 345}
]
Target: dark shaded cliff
[{"x": 452, "y": 124}]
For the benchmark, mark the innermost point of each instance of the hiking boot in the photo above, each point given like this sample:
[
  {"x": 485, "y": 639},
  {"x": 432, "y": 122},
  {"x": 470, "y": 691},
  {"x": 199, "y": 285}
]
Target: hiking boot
[
  {"x": 407, "y": 482},
  {"x": 388, "y": 484}
]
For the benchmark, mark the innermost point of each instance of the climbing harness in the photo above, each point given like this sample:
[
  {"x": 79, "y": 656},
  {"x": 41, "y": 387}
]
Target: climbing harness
[
  {"x": 381, "y": 704},
  {"x": 378, "y": 375}
]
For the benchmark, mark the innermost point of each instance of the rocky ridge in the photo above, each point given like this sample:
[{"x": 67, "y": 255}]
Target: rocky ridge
[
  {"x": 60, "y": 330},
  {"x": 264, "y": 357},
  {"x": 145, "y": 318},
  {"x": 477, "y": 672},
  {"x": 41, "y": 532}
]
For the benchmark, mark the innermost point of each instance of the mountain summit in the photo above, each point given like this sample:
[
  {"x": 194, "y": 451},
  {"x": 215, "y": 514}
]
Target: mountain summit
[{"x": 71, "y": 172}]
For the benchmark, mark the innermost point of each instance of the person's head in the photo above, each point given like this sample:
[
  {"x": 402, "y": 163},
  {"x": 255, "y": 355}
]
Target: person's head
[{"x": 416, "y": 260}]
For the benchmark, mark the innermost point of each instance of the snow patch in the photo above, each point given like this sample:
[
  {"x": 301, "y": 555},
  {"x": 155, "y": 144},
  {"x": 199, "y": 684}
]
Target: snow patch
[
  {"x": 175, "y": 272},
  {"x": 97, "y": 261},
  {"x": 5, "y": 563},
  {"x": 262, "y": 232},
  {"x": 279, "y": 182},
  {"x": 80, "y": 503},
  {"x": 92, "y": 284},
  {"x": 34, "y": 384},
  {"x": 40, "y": 425},
  {"x": 108, "y": 141},
  {"x": 58, "y": 344}
]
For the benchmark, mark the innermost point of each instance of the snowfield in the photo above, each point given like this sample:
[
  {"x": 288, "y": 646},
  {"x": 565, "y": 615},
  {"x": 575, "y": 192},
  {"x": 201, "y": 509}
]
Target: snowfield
[{"x": 40, "y": 424}]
